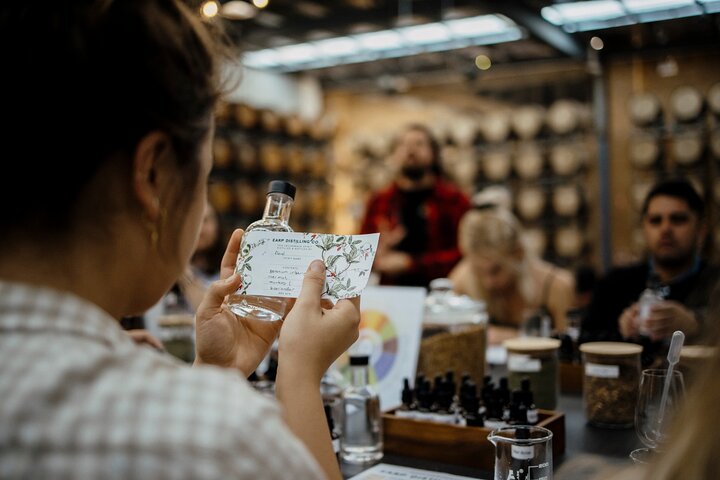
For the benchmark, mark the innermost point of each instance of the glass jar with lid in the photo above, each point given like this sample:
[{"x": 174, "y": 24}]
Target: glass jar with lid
[
  {"x": 454, "y": 333},
  {"x": 535, "y": 358},
  {"x": 611, "y": 376}
]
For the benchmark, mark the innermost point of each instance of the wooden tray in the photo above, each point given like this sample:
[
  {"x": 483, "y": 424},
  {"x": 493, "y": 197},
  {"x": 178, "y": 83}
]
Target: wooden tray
[{"x": 455, "y": 444}]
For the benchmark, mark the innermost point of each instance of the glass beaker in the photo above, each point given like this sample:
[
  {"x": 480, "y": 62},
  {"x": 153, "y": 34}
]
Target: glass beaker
[{"x": 522, "y": 452}]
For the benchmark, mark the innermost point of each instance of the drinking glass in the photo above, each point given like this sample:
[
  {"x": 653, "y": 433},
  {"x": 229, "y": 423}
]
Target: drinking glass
[{"x": 650, "y": 424}]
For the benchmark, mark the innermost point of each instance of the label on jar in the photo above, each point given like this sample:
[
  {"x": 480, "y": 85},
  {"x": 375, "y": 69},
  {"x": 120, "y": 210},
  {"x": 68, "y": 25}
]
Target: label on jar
[
  {"x": 523, "y": 363},
  {"x": 522, "y": 452},
  {"x": 604, "y": 371}
]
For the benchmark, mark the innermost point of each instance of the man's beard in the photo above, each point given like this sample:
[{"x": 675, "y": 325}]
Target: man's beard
[
  {"x": 674, "y": 261},
  {"x": 414, "y": 172}
]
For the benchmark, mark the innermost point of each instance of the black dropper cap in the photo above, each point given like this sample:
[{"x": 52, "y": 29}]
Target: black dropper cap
[
  {"x": 407, "y": 392},
  {"x": 359, "y": 360},
  {"x": 527, "y": 393},
  {"x": 281, "y": 186}
]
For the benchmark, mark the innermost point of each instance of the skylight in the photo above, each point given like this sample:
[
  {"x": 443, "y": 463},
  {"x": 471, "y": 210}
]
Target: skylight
[
  {"x": 597, "y": 14},
  {"x": 398, "y": 42}
]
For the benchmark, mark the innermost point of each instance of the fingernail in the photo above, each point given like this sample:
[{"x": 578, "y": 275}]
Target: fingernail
[{"x": 317, "y": 266}]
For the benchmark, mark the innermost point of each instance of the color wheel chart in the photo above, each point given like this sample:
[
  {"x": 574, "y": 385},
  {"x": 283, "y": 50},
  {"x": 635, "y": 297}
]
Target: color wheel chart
[
  {"x": 378, "y": 338},
  {"x": 390, "y": 330}
]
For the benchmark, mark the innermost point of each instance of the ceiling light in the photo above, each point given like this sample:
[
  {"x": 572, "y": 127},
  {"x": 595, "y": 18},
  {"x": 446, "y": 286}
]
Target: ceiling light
[
  {"x": 337, "y": 47},
  {"x": 382, "y": 40},
  {"x": 597, "y": 43},
  {"x": 427, "y": 33},
  {"x": 260, "y": 3},
  {"x": 300, "y": 53},
  {"x": 483, "y": 62},
  {"x": 479, "y": 26},
  {"x": 392, "y": 43},
  {"x": 576, "y": 12},
  {"x": 237, "y": 10},
  {"x": 210, "y": 8},
  {"x": 638, "y": 6},
  {"x": 262, "y": 59}
]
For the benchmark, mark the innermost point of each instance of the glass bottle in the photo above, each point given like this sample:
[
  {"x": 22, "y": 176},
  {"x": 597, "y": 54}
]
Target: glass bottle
[
  {"x": 361, "y": 440},
  {"x": 280, "y": 199}
]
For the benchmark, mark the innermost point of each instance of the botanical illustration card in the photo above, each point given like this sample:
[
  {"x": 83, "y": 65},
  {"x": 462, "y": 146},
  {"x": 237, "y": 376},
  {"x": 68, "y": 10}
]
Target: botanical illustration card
[{"x": 274, "y": 263}]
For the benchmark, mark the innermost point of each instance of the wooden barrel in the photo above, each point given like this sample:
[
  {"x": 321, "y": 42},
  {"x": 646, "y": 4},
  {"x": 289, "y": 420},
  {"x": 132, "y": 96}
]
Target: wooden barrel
[
  {"x": 527, "y": 121},
  {"x": 496, "y": 165},
  {"x": 645, "y": 109},
  {"x": 294, "y": 126},
  {"x": 247, "y": 156},
  {"x": 563, "y": 116},
  {"x": 248, "y": 197},
  {"x": 272, "y": 158},
  {"x": 686, "y": 103},
  {"x": 716, "y": 190},
  {"x": 222, "y": 152},
  {"x": 271, "y": 121},
  {"x": 566, "y": 200},
  {"x": 569, "y": 241},
  {"x": 687, "y": 147},
  {"x": 246, "y": 116},
  {"x": 531, "y": 202},
  {"x": 528, "y": 162},
  {"x": 463, "y": 132},
  {"x": 465, "y": 169},
  {"x": 644, "y": 151},
  {"x": 220, "y": 196},
  {"x": 495, "y": 126},
  {"x": 567, "y": 158}
]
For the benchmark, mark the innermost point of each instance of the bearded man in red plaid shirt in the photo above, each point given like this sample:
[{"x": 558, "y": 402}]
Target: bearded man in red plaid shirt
[{"x": 417, "y": 216}]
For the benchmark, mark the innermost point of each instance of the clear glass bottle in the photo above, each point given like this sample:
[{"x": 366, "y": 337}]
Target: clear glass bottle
[
  {"x": 361, "y": 440},
  {"x": 280, "y": 199}
]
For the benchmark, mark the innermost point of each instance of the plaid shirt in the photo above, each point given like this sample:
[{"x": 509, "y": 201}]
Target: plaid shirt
[
  {"x": 442, "y": 209},
  {"x": 79, "y": 400}
]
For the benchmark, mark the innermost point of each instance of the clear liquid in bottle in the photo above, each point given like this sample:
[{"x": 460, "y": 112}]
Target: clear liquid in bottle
[
  {"x": 280, "y": 198},
  {"x": 361, "y": 438}
]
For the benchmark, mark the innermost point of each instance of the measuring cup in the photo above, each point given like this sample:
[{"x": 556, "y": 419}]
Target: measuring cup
[{"x": 522, "y": 452}]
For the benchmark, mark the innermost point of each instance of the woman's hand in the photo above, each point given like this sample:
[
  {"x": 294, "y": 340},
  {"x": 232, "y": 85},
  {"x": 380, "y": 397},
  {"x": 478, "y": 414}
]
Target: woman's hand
[
  {"x": 223, "y": 338},
  {"x": 313, "y": 336}
]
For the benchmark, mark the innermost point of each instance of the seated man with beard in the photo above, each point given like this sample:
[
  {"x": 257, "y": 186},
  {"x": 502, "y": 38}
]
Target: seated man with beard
[
  {"x": 674, "y": 227},
  {"x": 417, "y": 215}
]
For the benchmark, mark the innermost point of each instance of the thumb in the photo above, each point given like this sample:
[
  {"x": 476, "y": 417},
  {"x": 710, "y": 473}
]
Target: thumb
[
  {"x": 218, "y": 290},
  {"x": 313, "y": 283}
]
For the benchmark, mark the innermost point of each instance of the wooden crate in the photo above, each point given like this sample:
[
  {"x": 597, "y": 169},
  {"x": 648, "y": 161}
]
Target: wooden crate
[{"x": 455, "y": 444}]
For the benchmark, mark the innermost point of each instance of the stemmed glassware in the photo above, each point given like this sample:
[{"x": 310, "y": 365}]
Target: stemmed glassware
[{"x": 651, "y": 421}]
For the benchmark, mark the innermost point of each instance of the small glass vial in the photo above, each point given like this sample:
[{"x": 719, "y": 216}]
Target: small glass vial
[
  {"x": 610, "y": 383},
  {"x": 361, "y": 439},
  {"x": 280, "y": 199}
]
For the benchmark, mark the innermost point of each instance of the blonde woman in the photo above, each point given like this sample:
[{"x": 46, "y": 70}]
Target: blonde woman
[{"x": 498, "y": 269}]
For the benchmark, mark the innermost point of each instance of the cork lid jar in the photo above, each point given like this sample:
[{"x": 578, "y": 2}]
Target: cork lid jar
[
  {"x": 535, "y": 358},
  {"x": 611, "y": 376}
]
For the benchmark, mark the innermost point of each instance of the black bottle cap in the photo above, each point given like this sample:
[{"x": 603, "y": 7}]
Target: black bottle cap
[
  {"x": 359, "y": 360},
  {"x": 281, "y": 186}
]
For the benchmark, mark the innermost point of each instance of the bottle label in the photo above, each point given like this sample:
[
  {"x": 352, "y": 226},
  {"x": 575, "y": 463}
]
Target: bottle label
[
  {"x": 602, "y": 371},
  {"x": 532, "y": 416},
  {"x": 523, "y": 363},
  {"x": 522, "y": 452}
]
